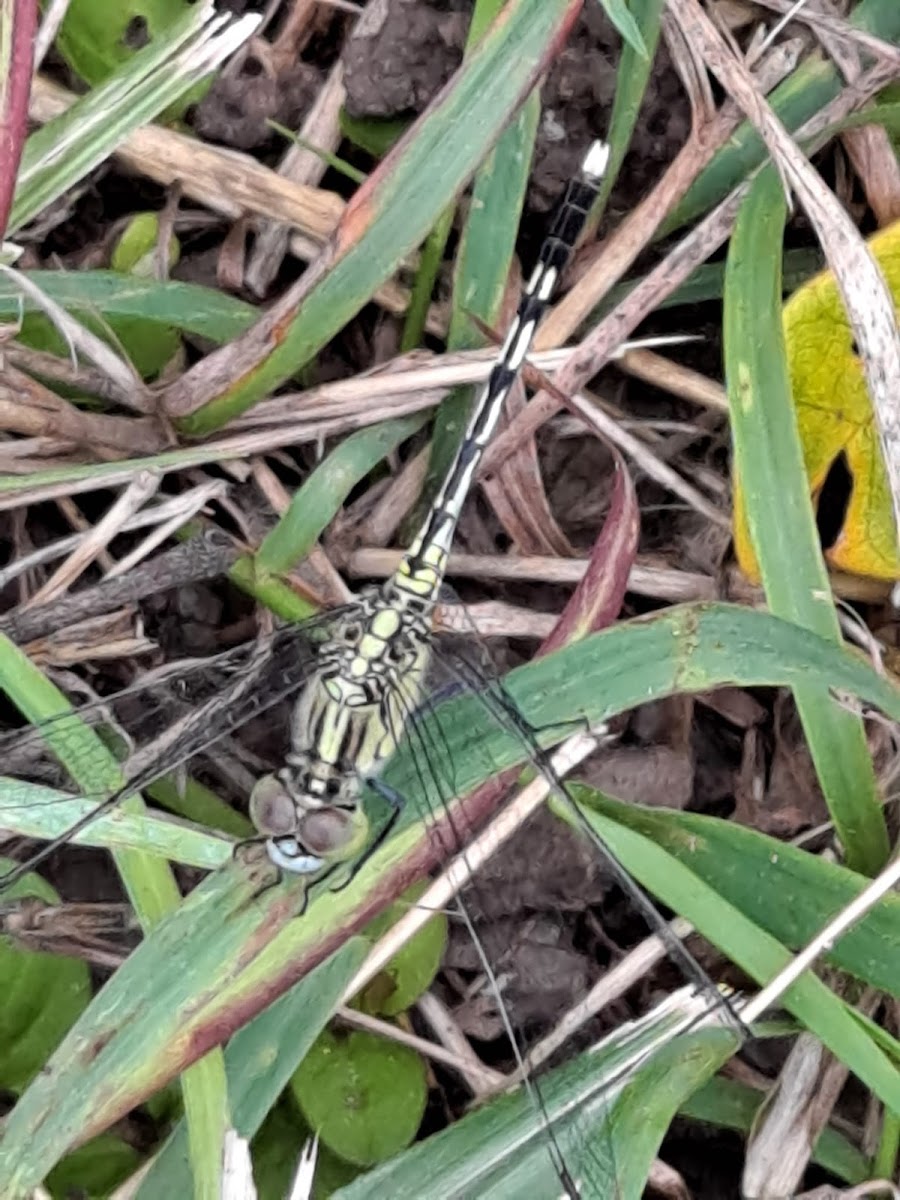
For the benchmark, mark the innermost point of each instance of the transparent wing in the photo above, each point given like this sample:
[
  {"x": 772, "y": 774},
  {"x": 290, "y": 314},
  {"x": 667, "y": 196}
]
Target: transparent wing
[
  {"x": 594, "y": 1104},
  {"x": 519, "y": 957},
  {"x": 153, "y": 728},
  {"x": 524, "y": 949}
]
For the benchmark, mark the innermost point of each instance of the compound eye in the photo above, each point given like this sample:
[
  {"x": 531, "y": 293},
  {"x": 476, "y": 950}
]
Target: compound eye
[
  {"x": 272, "y": 810},
  {"x": 327, "y": 831}
]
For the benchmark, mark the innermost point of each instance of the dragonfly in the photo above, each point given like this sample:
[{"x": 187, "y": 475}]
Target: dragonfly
[
  {"x": 351, "y": 715},
  {"x": 357, "y": 678},
  {"x": 362, "y": 682}
]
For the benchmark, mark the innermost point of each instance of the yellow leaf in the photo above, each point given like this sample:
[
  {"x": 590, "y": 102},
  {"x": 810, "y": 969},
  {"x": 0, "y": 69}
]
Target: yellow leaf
[{"x": 834, "y": 416}]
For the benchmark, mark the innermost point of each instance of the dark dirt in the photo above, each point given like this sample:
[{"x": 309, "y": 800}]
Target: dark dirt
[{"x": 402, "y": 66}]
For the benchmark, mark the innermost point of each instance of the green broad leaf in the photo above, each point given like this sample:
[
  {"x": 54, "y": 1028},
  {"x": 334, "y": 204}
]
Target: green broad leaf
[
  {"x": 43, "y": 995},
  {"x": 412, "y": 970},
  {"x": 135, "y": 251},
  {"x": 95, "y": 1170},
  {"x": 374, "y": 136},
  {"x": 364, "y": 1095},
  {"x": 276, "y": 1149},
  {"x": 148, "y": 347},
  {"x": 96, "y": 37},
  {"x": 259, "y": 1062}
]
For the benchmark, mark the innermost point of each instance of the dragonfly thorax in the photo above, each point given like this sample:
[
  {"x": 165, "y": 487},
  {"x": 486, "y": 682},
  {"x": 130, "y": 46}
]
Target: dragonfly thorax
[
  {"x": 378, "y": 647},
  {"x": 344, "y": 727}
]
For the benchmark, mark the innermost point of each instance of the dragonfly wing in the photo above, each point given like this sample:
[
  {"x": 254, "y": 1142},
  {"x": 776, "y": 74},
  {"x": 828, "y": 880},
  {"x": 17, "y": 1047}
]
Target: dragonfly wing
[{"x": 214, "y": 698}]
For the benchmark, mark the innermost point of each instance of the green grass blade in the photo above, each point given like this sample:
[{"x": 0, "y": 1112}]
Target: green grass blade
[
  {"x": 809, "y": 89},
  {"x": 158, "y": 992},
  {"x": 150, "y": 884},
  {"x": 229, "y": 949},
  {"x": 148, "y": 880},
  {"x": 759, "y": 954},
  {"x": 622, "y": 17},
  {"x": 632, "y": 74},
  {"x": 802, "y": 891},
  {"x": 426, "y": 277},
  {"x": 187, "y": 307},
  {"x": 391, "y": 214},
  {"x": 32, "y": 810},
  {"x": 261, "y": 1058},
  {"x": 769, "y": 460},
  {"x": 729, "y": 1104},
  {"x": 207, "y": 1120},
  {"x": 316, "y": 503},
  {"x": 608, "y": 1118}
]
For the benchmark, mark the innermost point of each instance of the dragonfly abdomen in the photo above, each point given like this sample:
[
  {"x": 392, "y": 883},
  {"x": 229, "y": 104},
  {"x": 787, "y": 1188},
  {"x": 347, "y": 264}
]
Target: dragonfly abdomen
[{"x": 353, "y": 711}]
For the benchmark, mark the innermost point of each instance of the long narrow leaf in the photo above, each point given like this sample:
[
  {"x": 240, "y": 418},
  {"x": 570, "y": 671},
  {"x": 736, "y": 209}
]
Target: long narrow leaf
[
  {"x": 769, "y": 465},
  {"x": 69, "y": 147},
  {"x": 387, "y": 218}
]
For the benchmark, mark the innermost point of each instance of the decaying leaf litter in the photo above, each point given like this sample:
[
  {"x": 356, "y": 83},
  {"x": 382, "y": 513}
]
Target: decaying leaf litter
[{"x": 716, "y": 748}]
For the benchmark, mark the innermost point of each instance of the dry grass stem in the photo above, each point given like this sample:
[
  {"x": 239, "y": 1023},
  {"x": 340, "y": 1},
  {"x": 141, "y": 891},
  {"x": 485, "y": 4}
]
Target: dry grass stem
[
  {"x": 637, "y": 450},
  {"x": 320, "y": 128},
  {"x": 867, "y": 299},
  {"x": 467, "y": 1065},
  {"x": 695, "y": 248},
  {"x": 142, "y": 487},
  {"x": 673, "y": 378},
  {"x": 480, "y": 1079},
  {"x": 225, "y": 181}
]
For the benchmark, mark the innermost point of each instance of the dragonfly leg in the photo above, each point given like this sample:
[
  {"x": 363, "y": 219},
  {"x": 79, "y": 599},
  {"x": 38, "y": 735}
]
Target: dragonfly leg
[{"x": 251, "y": 855}]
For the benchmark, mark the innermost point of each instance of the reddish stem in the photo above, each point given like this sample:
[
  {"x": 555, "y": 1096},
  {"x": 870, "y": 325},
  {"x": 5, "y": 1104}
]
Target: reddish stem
[{"x": 19, "y": 18}]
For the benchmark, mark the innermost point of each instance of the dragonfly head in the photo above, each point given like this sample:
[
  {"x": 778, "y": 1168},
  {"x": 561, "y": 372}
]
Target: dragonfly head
[{"x": 305, "y": 840}]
